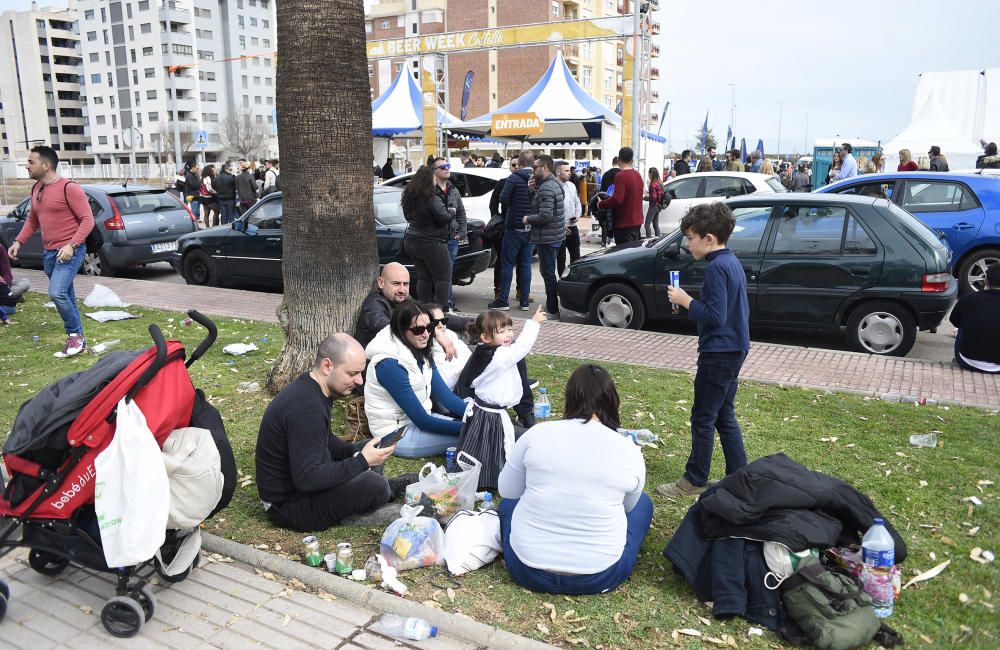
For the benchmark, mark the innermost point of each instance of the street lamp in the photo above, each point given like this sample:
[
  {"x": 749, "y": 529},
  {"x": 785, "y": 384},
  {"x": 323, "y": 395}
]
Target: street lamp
[
  {"x": 805, "y": 143},
  {"x": 779, "y": 131},
  {"x": 732, "y": 114}
]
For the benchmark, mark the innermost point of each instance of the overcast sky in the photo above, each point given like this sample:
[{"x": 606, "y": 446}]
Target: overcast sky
[{"x": 851, "y": 64}]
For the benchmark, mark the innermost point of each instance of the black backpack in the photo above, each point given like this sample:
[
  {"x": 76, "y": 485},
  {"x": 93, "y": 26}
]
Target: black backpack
[{"x": 95, "y": 239}]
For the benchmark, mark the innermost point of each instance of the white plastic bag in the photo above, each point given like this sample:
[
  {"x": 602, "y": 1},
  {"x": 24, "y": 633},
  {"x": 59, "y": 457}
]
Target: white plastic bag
[
  {"x": 446, "y": 493},
  {"x": 102, "y": 296},
  {"x": 412, "y": 542},
  {"x": 194, "y": 469},
  {"x": 471, "y": 541},
  {"x": 131, "y": 491}
]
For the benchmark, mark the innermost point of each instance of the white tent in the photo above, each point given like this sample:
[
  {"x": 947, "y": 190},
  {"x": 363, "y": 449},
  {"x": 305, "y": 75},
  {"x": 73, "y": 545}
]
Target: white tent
[
  {"x": 398, "y": 112},
  {"x": 930, "y": 126}
]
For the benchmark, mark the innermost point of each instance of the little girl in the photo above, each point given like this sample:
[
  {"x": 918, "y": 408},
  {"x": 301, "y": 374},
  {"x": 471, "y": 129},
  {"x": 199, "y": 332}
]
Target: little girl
[{"x": 493, "y": 377}]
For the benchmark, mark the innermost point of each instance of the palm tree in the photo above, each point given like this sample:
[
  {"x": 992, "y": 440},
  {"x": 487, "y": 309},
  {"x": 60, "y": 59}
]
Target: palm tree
[{"x": 330, "y": 256}]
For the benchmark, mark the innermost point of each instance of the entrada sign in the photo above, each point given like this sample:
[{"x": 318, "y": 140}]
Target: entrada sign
[{"x": 517, "y": 124}]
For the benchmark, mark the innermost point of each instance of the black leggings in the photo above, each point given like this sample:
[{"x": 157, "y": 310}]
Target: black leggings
[{"x": 432, "y": 264}]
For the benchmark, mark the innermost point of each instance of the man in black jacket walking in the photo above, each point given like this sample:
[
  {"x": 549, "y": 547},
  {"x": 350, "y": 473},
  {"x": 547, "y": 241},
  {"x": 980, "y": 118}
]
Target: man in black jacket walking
[
  {"x": 548, "y": 230},
  {"x": 246, "y": 187},
  {"x": 225, "y": 192}
]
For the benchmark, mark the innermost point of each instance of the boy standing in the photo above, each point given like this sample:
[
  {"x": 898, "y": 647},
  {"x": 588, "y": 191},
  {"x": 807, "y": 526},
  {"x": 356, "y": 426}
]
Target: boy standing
[{"x": 722, "y": 314}]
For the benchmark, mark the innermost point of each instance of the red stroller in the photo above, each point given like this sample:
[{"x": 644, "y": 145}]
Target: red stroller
[{"x": 48, "y": 503}]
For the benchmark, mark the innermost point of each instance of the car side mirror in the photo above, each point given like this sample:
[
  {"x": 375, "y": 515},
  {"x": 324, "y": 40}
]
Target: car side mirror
[
  {"x": 239, "y": 225},
  {"x": 672, "y": 250}
]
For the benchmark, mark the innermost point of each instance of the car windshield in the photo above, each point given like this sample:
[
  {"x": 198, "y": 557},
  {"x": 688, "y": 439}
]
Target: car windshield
[
  {"x": 775, "y": 185},
  {"x": 145, "y": 201},
  {"x": 388, "y": 210}
]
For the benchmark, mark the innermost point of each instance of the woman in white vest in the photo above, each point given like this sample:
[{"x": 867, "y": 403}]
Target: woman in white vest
[{"x": 402, "y": 385}]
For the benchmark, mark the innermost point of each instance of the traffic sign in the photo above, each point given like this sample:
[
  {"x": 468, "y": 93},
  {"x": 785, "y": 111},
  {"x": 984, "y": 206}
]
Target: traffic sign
[{"x": 201, "y": 140}]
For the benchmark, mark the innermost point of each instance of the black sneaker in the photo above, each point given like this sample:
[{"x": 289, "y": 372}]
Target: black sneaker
[
  {"x": 499, "y": 306},
  {"x": 397, "y": 484},
  {"x": 532, "y": 383}
]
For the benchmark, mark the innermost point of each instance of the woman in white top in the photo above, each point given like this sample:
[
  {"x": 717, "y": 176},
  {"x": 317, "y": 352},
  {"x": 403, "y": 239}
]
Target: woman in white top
[{"x": 574, "y": 514}]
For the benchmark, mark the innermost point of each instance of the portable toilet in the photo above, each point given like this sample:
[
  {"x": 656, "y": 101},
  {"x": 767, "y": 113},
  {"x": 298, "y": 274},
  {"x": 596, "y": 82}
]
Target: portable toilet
[{"x": 823, "y": 149}]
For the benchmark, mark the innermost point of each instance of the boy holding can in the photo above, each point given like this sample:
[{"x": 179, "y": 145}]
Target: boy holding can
[{"x": 722, "y": 313}]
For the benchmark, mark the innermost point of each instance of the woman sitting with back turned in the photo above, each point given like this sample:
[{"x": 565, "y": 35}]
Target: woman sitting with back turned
[{"x": 574, "y": 515}]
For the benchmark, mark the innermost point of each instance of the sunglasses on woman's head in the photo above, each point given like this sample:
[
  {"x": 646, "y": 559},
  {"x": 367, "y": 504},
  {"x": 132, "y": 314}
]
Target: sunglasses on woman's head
[
  {"x": 439, "y": 321},
  {"x": 419, "y": 330}
]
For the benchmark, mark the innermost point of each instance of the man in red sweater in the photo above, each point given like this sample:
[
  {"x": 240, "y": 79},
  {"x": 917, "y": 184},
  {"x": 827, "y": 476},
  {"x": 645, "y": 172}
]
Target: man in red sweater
[
  {"x": 61, "y": 211},
  {"x": 626, "y": 200}
]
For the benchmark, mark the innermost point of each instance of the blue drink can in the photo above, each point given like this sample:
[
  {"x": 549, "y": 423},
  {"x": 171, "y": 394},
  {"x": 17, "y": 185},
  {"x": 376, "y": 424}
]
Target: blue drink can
[
  {"x": 451, "y": 459},
  {"x": 675, "y": 281}
]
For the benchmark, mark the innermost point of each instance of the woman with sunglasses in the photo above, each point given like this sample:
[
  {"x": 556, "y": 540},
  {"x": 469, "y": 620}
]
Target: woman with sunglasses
[{"x": 402, "y": 385}]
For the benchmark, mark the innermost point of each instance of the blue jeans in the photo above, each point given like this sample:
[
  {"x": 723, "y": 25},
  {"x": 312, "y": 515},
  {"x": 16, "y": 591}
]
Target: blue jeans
[
  {"x": 453, "y": 253},
  {"x": 537, "y": 580},
  {"x": 418, "y": 443},
  {"x": 547, "y": 265},
  {"x": 715, "y": 386},
  {"x": 61, "y": 291},
  {"x": 195, "y": 209},
  {"x": 7, "y": 312},
  {"x": 227, "y": 211},
  {"x": 517, "y": 251}
]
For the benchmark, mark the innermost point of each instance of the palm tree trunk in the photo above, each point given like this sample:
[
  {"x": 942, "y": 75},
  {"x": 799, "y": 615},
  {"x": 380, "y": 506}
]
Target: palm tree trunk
[{"x": 324, "y": 132}]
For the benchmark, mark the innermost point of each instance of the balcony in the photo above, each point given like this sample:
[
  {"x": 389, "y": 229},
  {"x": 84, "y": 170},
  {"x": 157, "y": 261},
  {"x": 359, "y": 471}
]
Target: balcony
[
  {"x": 655, "y": 95},
  {"x": 654, "y": 51},
  {"x": 168, "y": 15},
  {"x": 178, "y": 37},
  {"x": 571, "y": 53},
  {"x": 183, "y": 105},
  {"x": 571, "y": 4},
  {"x": 654, "y": 73},
  {"x": 654, "y": 118},
  {"x": 620, "y": 87},
  {"x": 184, "y": 82},
  {"x": 655, "y": 28}
]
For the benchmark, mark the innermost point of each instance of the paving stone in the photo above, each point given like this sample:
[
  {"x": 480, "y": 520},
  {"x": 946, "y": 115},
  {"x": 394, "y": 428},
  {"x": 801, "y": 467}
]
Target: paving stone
[
  {"x": 268, "y": 627},
  {"x": 373, "y": 642},
  {"x": 242, "y": 575},
  {"x": 242, "y": 590},
  {"x": 336, "y": 608},
  {"x": 229, "y": 640},
  {"x": 331, "y": 623}
]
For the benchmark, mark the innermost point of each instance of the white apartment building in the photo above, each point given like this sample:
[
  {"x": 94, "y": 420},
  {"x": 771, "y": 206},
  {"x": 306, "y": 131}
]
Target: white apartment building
[
  {"x": 222, "y": 56},
  {"x": 41, "y": 98}
]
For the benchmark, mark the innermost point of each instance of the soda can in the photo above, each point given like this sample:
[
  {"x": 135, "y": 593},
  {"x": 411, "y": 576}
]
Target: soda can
[
  {"x": 311, "y": 554},
  {"x": 186, "y": 322},
  {"x": 675, "y": 281},
  {"x": 35, "y": 338},
  {"x": 345, "y": 559},
  {"x": 451, "y": 459}
]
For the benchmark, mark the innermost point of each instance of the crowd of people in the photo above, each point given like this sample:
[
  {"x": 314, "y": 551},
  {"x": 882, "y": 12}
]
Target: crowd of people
[{"x": 217, "y": 196}]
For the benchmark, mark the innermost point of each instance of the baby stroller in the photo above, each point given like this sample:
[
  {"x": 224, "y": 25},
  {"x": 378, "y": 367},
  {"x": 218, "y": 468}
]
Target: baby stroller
[{"x": 48, "y": 503}]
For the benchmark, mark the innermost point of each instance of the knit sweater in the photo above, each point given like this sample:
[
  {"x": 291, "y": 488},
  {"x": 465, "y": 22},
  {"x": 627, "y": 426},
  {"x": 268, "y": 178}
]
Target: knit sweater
[
  {"x": 627, "y": 199},
  {"x": 62, "y": 211}
]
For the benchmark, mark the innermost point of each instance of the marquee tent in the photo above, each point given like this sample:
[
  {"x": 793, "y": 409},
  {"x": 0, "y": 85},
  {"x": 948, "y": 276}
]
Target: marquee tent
[
  {"x": 571, "y": 116},
  {"x": 398, "y": 112},
  {"x": 932, "y": 126}
]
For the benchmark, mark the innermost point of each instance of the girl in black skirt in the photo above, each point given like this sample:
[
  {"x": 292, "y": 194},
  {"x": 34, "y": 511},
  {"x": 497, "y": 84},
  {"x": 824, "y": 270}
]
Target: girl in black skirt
[{"x": 492, "y": 376}]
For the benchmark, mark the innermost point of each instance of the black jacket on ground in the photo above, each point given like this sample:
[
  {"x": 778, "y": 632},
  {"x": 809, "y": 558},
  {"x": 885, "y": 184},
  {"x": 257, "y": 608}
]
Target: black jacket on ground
[
  {"x": 976, "y": 316},
  {"x": 296, "y": 451},
  {"x": 776, "y": 499},
  {"x": 225, "y": 186}
]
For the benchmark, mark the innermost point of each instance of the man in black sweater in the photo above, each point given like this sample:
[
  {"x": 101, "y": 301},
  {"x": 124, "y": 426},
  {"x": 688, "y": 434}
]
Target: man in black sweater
[
  {"x": 307, "y": 478},
  {"x": 976, "y": 316}
]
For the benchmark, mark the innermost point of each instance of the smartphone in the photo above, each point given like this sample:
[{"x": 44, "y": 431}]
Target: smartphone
[{"x": 392, "y": 438}]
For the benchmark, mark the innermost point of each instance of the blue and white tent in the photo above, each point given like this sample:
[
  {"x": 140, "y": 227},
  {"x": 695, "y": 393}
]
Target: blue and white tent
[
  {"x": 398, "y": 112},
  {"x": 570, "y": 114}
]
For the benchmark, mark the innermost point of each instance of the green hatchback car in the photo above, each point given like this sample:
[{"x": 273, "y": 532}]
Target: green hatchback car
[{"x": 812, "y": 261}]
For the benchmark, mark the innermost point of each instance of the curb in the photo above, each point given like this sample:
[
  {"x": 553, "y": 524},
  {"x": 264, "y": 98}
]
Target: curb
[{"x": 466, "y": 629}]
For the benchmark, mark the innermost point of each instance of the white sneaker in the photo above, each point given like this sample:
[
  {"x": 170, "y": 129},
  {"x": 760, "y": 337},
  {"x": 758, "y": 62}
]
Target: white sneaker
[{"x": 74, "y": 346}]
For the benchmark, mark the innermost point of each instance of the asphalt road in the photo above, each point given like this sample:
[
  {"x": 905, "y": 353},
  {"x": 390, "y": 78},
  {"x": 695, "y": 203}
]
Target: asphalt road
[{"x": 475, "y": 297}]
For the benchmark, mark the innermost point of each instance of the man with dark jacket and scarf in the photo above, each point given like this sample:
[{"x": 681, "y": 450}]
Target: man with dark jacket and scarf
[
  {"x": 548, "y": 230},
  {"x": 517, "y": 248},
  {"x": 246, "y": 187}
]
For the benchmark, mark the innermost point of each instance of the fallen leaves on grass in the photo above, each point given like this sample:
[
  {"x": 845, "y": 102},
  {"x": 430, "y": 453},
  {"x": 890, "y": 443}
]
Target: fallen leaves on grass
[{"x": 927, "y": 575}]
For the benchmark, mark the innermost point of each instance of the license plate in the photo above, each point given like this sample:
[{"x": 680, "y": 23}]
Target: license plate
[{"x": 165, "y": 246}]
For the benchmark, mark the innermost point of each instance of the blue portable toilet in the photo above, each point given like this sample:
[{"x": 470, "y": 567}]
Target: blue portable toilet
[{"x": 823, "y": 149}]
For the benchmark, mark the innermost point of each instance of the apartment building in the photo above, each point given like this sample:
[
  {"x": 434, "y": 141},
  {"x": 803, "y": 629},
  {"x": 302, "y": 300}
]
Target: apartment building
[
  {"x": 221, "y": 55},
  {"x": 500, "y": 76},
  {"x": 41, "y": 98}
]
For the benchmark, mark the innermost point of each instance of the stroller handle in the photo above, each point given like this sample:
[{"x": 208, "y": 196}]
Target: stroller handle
[
  {"x": 158, "y": 363},
  {"x": 209, "y": 340}
]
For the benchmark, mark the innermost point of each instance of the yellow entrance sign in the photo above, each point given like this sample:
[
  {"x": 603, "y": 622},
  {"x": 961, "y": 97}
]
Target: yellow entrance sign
[{"x": 517, "y": 124}]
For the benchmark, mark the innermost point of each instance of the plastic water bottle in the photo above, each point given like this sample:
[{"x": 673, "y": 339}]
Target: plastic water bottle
[
  {"x": 101, "y": 348},
  {"x": 542, "y": 407},
  {"x": 640, "y": 436},
  {"x": 878, "y": 552},
  {"x": 400, "y": 627},
  {"x": 487, "y": 503}
]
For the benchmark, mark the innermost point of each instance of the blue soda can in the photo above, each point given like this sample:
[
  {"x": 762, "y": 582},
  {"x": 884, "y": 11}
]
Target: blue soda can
[
  {"x": 675, "y": 281},
  {"x": 451, "y": 459}
]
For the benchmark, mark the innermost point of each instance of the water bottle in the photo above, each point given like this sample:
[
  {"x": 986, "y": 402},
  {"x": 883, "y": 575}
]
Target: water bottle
[
  {"x": 487, "y": 503},
  {"x": 101, "y": 348},
  {"x": 400, "y": 627},
  {"x": 879, "y": 556},
  {"x": 640, "y": 436},
  {"x": 542, "y": 407}
]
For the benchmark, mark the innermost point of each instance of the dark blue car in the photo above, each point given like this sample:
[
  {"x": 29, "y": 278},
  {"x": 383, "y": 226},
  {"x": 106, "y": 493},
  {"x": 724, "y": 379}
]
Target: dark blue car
[{"x": 962, "y": 208}]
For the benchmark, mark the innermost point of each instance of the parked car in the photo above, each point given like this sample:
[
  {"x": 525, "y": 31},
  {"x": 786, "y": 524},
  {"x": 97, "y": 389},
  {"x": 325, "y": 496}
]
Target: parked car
[
  {"x": 476, "y": 185},
  {"x": 812, "y": 261},
  {"x": 140, "y": 225},
  {"x": 248, "y": 251},
  {"x": 704, "y": 187},
  {"x": 962, "y": 208}
]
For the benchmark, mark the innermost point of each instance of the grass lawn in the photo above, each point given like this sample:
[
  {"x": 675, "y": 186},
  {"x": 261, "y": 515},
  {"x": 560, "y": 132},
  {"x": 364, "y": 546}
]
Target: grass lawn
[{"x": 863, "y": 441}]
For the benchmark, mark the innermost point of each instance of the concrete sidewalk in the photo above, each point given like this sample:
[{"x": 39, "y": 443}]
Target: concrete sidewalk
[{"x": 889, "y": 378}]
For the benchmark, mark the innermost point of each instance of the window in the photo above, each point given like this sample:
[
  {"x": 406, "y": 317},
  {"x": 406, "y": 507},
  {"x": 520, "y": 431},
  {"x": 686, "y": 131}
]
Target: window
[
  {"x": 239, "y": 20},
  {"x": 686, "y": 188},
  {"x": 239, "y": 4},
  {"x": 810, "y": 231},
  {"x": 95, "y": 57},
  {"x": 268, "y": 81},
  {"x": 881, "y": 190},
  {"x": 244, "y": 82},
  {"x": 270, "y": 101},
  {"x": 149, "y": 73},
  {"x": 368, "y": 27},
  {"x": 111, "y": 81},
  {"x": 145, "y": 28},
  {"x": 724, "y": 186},
  {"x": 555, "y": 7},
  {"x": 267, "y": 62},
  {"x": 206, "y": 55},
  {"x": 267, "y": 42},
  {"x": 101, "y": 119},
  {"x": 150, "y": 94},
  {"x": 265, "y": 23},
  {"x": 385, "y": 24},
  {"x": 586, "y": 77},
  {"x": 91, "y": 36},
  {"x": 88, "y": 14},
  {"x": 751, "y": 223},
  {"x": 256, "y": 99},
  {"x": 609, "y": 79},
  {"x": 147, "y": 51},
  {"x": 206, "y": 13},
  {"x": 243, "y": 41},
  {"x": 154, "y": 117},
  {"x": 937, "y": 197},
  {"x": 256, "y": 81},
  {"x": 212, "y": 97},
  {"x": 609, "y": 101},
  {"x": 95, "y": 78},
  {"x": 433, "y": 16},
  {"x": 246, "y": 101},
  {"x": 143, "y": 5},
  {"x": 267, "y": 216},
  {"x": 254, "y": 41},
  {"x": 102, "y": 139},
  {"x": 253, "y": 21},
  {"x": 260, "y": 119},
  {"x": 98, "y": 100},
  {"x": 857, "y": 241},
  {"x": 131, "y": 33}
]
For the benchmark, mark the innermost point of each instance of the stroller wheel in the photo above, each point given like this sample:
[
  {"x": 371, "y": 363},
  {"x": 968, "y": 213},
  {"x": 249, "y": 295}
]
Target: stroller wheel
[
  {"x": 147, "y": 601},
  {"x": 3, "y": 607},
  {"x": 122, "y": 617},
  {"x": 48, "y": 564},
  {"x": 4, "y": 590},
  {"x": 180, "y": 577}
]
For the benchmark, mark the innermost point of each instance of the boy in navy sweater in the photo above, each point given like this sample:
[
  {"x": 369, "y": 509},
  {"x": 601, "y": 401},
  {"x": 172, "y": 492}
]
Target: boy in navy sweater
[{"x": 722, "y": 314}]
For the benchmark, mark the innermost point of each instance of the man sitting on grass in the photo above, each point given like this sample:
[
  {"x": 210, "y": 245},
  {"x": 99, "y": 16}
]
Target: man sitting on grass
[
  {"x": 976, "y": 316},
  {"x": 307, "y": 478}
]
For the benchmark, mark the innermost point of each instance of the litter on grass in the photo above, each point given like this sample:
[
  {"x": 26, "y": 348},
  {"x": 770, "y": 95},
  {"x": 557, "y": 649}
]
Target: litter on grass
[
  {"x": 924, "y": 439},
  {"x": 239, "y": 349},
  {"x": 106, "y": 316},
  {"x": 102, "y": 296},
  {"x": 927, "y": 575}
]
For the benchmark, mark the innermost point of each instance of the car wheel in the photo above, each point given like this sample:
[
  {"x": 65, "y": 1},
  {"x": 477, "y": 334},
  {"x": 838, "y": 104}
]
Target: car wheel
[
  {"x": 882, "y": 328},
  {"x": 618, "y": 305},
  {"x": 96, "y": 264},
  {"x": 199, "y": 269},
  {"x": 972, "y": 272}
]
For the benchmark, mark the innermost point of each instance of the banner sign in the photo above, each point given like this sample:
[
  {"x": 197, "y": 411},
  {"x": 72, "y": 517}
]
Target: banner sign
[
  {"x": 466, "y": 91},
  {"x": 517, "y": 124}
]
